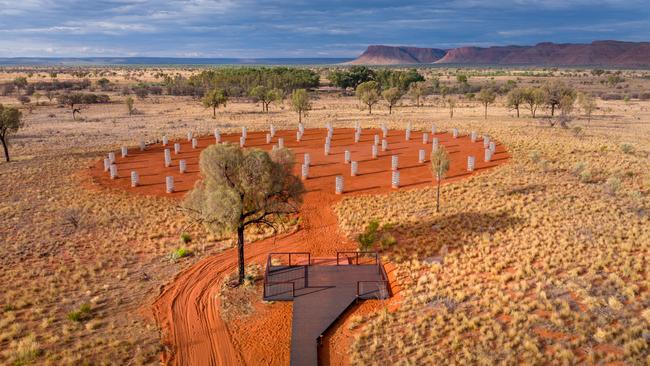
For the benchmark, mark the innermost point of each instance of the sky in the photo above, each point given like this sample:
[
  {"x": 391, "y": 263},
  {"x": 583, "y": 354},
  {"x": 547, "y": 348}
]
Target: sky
[{"x": 295, "y": 28}]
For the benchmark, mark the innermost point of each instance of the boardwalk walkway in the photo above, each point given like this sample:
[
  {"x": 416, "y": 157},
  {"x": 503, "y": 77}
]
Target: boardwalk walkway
[{"x": 321, "y": 291}]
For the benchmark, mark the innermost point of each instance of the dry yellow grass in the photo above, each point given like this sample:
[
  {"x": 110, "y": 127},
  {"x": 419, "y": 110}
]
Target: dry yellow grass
[
  {"x": 543, "y": 266},
  {"x": 571, "y": 218}
]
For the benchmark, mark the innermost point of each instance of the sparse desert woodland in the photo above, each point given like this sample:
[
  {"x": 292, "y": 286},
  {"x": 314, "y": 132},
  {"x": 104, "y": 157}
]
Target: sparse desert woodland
[{"x": 546, "y": 256}]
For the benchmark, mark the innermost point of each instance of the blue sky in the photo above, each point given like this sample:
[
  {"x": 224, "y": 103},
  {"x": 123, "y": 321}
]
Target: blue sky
[{"x": 290, "y": 28}]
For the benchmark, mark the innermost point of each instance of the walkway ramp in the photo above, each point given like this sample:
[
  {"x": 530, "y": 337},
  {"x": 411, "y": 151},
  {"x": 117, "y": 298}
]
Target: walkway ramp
[{"x": 321, "y": 293}]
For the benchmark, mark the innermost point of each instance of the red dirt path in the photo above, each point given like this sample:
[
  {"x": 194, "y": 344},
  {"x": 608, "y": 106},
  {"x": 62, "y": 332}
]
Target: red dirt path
[{"x": 187, "y": 308}]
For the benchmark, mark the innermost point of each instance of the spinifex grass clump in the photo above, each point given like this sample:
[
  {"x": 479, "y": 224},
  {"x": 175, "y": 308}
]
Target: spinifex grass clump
[
  {"x": 373, "y": 235},
  {"x": 80, "y": 314}
]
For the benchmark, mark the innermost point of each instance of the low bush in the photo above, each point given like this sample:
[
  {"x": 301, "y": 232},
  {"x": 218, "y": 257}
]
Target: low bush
[
  {"x": 627, "y": 148},
  {"x": 368, "y": 238},
  {"x": 80, "y": 314},
  {"x": 180, "y": 253},
  {"x": 185, "y": 238}
]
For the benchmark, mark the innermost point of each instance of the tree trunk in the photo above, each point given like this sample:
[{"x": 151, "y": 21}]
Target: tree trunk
[
  {"x": 214, "y": 112},
  {"x": 485, "y": 111},
  {"x": 517, "y": 111},
  {"x": 438, "y": 197},
  {"x": 4, "y": 145},
  {"x": 369, "y": 108},
  {"x": 299, "y": 116},
  {"x": 240, "y": 253},
  {"x": 552, "y": 110},
  {"x": 390, "y": 109}
]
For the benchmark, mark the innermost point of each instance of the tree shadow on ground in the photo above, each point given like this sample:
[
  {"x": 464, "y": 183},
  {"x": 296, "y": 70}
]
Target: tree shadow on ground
[{"x": 425, "y": 238}]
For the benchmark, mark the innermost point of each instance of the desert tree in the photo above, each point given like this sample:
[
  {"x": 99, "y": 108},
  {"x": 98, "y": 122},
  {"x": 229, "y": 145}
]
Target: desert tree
[
  {"x": 214, "y": 99},
  {"x": 243, "y": 188},
  {"x": 368, "y": 94},
  {"x": 391, "y": 96},
  {"x": 439, "y": 167},
  {"x": 50, "y": 95},
  {"x": 554, "y": 91},
  {"x": 266, "y": 96},
  {"x": 129, "y": 105},
  {"x": 451, "y": 104},
  {"x": 444, "y": 90},
  {"x": 300, "y": 102},
  {"x": 10, "y": 122},
  {"x": 20, "y": 82},
  {"x": 416, "y": 92},
  {"x": 141, "y": 92},
  {"x": 37, "y": 96},
  {"x": 103, "y": 83},
  {"x": 486, "y": 97},
  {"x": 587, "y": 104},
  {"x": 72, "y": 100},
  {"x": 533, "y": 98},
  {"x": 516, "y": 97},
  {"x": 566, "y": 107}
]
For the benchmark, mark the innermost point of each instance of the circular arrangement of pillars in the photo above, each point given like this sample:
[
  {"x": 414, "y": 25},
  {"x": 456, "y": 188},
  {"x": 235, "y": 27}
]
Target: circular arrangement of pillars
[{"x": 110, "y": 166}]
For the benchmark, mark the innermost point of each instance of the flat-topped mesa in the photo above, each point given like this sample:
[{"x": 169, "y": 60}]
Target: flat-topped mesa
[
  {"x": 390, "y": 55},
  {"x": 597, "y": 53}
]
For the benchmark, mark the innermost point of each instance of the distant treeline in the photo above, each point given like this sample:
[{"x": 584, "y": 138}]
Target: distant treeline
[
  {"x": 386, "y": 78},
  {"x": 240, "y": 81}
]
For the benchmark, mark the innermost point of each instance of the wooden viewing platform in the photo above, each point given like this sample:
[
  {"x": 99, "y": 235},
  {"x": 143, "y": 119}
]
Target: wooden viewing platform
[{"x": 321, "y": 290}]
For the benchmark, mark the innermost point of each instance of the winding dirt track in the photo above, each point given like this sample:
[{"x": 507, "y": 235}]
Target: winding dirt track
[{"x": 187, "y": 310}]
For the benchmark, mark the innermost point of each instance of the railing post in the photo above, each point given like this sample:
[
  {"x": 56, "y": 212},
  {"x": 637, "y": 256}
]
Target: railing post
[{"x": 306, "y": 277}]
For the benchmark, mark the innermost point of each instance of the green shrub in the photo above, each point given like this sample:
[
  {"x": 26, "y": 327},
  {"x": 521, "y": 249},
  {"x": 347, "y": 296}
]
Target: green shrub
[
  {"x": 577, "y": 131},
  {"x": 387, "y": 241},
  {"x": 185, "y": 238},
  {"x": 534, "y": 156},
  {"x": 368, "y": 238},
  {"x": 180, "y": 253},
  {"x": 82, "y": 313},
  {"x": 585, "y": 176},
  {"x": 627, "y": 148}
]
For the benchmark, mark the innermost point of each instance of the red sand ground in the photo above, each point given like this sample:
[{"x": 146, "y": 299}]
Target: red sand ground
[{"x": 187, "y": 308}]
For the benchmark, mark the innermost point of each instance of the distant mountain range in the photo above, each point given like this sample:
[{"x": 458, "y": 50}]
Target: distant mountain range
[{"x": 597, "y": 53}]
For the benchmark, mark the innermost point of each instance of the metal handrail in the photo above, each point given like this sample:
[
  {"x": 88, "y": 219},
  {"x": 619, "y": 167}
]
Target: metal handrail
[
  {"x": 338, "y": 255},
  {"x": 293, "y": 286},
  {"x": 268, "y": 270},
  {"x": 383, "y": 282},
  {"x": 291, "y": 253}
]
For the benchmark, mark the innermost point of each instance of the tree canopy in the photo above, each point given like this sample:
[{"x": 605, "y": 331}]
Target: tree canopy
[
  {"x": 10, "y": 122},
  {"x": 300, "y": 103},
  {"x": 214, "y": 99},
  {"x": 241, "y": 188},
  {"x": 368, "y": 94}
]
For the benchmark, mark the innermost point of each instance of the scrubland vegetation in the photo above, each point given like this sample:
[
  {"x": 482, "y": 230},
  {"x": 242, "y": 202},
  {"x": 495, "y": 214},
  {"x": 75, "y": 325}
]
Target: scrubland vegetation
[
  {"x": 544, "y": 258},
  {"x": 547, "y": 257}
]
